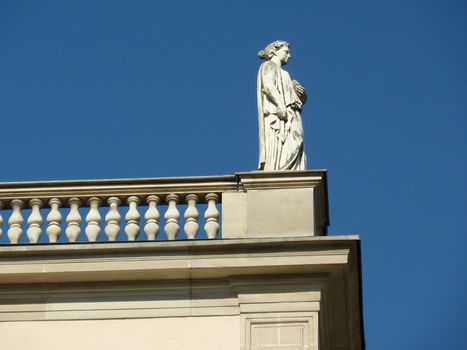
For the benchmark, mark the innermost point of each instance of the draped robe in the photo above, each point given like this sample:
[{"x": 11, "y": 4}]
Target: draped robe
[{"x": 281, "y": 145}]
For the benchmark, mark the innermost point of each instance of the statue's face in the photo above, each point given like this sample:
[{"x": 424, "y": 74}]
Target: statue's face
[{"x": 283, "y": 54}]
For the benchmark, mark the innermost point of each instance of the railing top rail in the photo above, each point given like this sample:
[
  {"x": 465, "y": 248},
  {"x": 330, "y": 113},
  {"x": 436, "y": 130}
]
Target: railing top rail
[
  {"x": 142, "y": 187},
  {"x": 85, "y": 189},
  {"x": 152, "y": 180}
]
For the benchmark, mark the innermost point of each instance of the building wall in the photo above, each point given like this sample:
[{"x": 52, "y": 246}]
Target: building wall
[
  {"x": 195, "y": 333},
  {"x": 279, "y": 293}
]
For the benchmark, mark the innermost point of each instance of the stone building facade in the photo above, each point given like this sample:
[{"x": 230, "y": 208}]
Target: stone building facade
[{"x": 228, "y": 262}]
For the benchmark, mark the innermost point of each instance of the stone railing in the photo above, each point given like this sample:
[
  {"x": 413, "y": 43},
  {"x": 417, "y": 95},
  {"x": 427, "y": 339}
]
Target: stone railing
[{"x": 164, "y": 208}]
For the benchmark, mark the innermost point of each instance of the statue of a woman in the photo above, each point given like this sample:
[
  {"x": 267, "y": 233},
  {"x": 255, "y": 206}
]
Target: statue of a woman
[{"x": 280, "y": 102}]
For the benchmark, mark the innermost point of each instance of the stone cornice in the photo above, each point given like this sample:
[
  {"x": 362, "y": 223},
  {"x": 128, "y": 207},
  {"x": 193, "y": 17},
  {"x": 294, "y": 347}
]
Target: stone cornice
[
  {"x": 112, "y": 248},
  {"x": 171, "y": 260},
  {"x": 257, "y": 180}
]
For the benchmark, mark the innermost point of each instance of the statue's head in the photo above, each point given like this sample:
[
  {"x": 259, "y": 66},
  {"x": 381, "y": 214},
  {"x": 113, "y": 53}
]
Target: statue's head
[{"x": 277, "y": 48}]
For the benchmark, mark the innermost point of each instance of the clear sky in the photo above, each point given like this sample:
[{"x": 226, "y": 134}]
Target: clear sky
[{"x": 122, "y": 89}]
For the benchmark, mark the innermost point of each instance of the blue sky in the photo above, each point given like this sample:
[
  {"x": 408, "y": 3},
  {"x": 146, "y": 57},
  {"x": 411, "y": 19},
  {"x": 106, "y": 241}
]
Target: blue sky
[{"x": 121, "y": 89}]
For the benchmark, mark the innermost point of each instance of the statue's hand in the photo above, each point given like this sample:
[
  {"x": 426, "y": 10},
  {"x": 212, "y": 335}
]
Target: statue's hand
[
  {"x": 297, "y": 85},
  {"x": 300, "y": 90},
  {"x": 282, "y": 113}
]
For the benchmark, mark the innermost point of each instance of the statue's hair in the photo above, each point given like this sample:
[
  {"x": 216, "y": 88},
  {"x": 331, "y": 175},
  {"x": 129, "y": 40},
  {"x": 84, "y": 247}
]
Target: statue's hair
[{"x": 269, "y": 51}]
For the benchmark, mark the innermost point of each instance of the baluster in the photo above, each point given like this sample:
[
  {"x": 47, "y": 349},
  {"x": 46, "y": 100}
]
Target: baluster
[
  {"x": 112, "y": 218},
  {"x": 1, "y": 219},
  {"x": 93, "y": 219},
  {"x": 171, "y": 217},
  {"x": 73, "y": 220},
  {"x": 16, "y": 221},
  {"x": 191, "y": 216},
  {"x": 132, "y": 218},
  {"x": 35, "y": 220},
  {"x": 211, "y": 215},
  {"x": 152, "y": 217},
  {"x": 54, "y": 219}
]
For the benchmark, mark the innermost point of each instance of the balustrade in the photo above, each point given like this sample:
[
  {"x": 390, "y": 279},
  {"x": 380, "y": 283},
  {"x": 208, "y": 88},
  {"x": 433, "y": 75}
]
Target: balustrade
[
  {"x": 107, "y": 210},
  {"x": 249, "y": 204}
]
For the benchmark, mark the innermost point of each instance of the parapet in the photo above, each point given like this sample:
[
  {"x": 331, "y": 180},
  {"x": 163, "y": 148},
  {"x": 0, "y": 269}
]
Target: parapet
[{"x": 244, "y": 205}]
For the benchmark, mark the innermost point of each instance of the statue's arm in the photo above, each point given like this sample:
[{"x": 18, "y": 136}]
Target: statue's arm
[{"x": 269, "y": 81}]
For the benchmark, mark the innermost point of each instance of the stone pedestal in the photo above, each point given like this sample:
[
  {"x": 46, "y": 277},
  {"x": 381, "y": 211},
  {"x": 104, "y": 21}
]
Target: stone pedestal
[{"x": 276, "y": 204}]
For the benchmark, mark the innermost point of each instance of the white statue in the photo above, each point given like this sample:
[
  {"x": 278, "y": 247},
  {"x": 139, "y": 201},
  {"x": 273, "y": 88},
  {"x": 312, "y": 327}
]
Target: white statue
[{"x": 280, "y": 102}]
